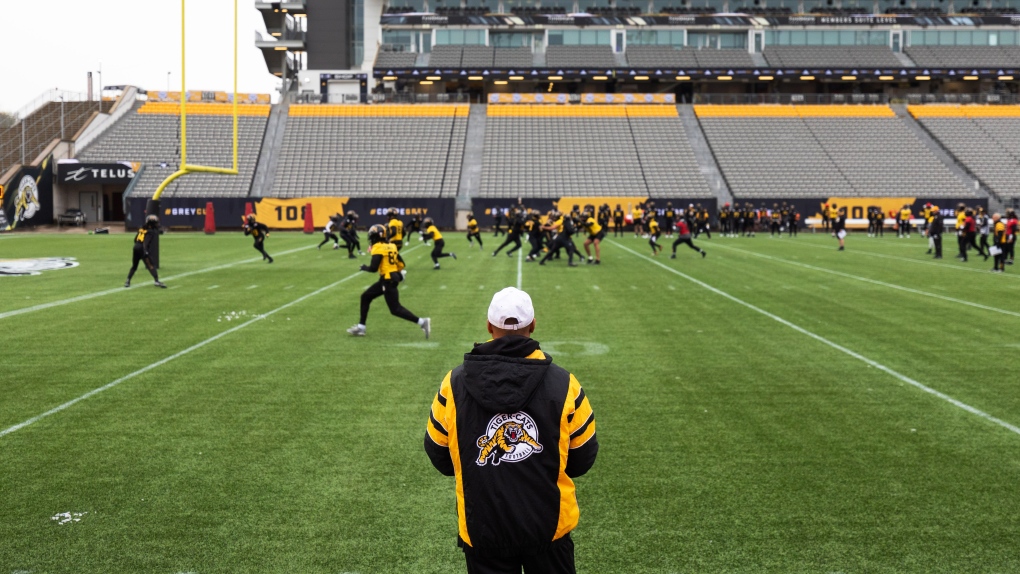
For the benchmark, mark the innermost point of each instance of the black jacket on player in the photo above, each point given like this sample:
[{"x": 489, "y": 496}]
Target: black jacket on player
[{"x": 513, "y": 428}]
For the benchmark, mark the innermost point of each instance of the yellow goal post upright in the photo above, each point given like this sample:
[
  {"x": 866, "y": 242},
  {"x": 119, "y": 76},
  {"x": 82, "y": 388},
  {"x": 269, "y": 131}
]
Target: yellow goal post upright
[{"x": 152, "y": 208}]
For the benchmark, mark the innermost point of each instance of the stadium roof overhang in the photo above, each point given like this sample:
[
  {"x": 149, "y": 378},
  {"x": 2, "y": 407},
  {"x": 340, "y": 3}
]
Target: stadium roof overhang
[
  {"x": 274, "y": 14},
  {"x": 699, "y": 74},
  {"x": 540, "y": 21},
  {"x": 277, "y": 53}
]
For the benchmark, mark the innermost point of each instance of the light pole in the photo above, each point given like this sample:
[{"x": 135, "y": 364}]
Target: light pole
[{"x": 168, "y": 82}]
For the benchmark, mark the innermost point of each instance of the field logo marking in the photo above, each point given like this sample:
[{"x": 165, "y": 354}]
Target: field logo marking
[
  {"x": 35, "y": 266},
  {"x": 876, "y": 282},
  {"x": 87, "y": 296},
  {"x": 838, "y": 347},
  {"x": 587, "y": 348}
]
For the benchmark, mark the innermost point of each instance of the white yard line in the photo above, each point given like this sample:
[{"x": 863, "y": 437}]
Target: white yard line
[
  {"x": 850, "y": 249},
  {"x": 520, "y": 266},
  {"x": 838, "y": 347},
  {"x": 874, "y": 281},
  {"x": 139, "y": 285},
  {"x": 166, "y": 360}
]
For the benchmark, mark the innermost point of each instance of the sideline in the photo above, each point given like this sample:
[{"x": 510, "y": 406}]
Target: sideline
[
  {"x": 874, "y": 281},
  {"x": 87, "y": 296},
  {"x": 838, "y": 347}
]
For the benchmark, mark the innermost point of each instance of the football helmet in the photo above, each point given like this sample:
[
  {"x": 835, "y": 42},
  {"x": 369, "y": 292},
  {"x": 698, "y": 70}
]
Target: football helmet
[{"x": 376, "y": 234}]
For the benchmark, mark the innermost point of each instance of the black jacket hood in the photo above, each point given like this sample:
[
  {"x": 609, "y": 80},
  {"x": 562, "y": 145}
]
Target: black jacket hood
[{"x": 500, "y": 376}]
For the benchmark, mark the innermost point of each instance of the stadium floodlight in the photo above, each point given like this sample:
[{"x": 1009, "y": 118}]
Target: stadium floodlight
[
  {"x": 185, "y": 168},
  {"x": 1005, "y": 78}
]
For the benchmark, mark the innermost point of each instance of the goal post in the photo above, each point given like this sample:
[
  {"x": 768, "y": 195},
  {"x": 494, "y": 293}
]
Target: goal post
[{"x": 152, "y": 208}]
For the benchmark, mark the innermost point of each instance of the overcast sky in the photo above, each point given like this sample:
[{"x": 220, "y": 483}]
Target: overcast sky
[{"x": 136, "y": 42}]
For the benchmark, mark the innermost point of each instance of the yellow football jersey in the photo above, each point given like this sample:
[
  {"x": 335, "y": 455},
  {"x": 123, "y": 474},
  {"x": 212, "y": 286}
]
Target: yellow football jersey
[
  {"x": 396, "y": 229},
  {"x": 391, "y": 263},
  {"x": 436, "y": 236}
]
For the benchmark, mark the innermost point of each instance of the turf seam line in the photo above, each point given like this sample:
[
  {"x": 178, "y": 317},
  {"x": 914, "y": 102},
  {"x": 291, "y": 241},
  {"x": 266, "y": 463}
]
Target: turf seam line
[
  {"x": 87, "y": 296},
  {"x": 177, "y": 355},
  {"x": 874, "y": 281},
  {"x": 837, "y": 346}
]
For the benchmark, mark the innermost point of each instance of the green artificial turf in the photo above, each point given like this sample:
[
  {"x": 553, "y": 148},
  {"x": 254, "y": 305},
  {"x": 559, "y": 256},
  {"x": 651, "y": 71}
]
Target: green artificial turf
[{"x": 730, "y": 441}]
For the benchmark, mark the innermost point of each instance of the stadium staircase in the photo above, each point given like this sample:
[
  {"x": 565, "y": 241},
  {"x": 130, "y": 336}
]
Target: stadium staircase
[
  {"x": 471, "y": 167},
  {"x": 703, "y": 154},
  {"x": 905, "y": 60},
  {"x": 759, "y": 61},
  {"x": 272, "y": 142},
  {"x": 941, "y": 153}
]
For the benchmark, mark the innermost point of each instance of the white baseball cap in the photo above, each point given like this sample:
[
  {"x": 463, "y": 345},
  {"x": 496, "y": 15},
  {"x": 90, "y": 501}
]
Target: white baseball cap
[{"x": 511, "y": 309}]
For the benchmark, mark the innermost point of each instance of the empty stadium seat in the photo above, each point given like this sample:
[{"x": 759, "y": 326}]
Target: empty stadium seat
[
  {"x": 151, "y": 135},
  {"x": 983, "y": 138},
  {"x": 551, "y": 151},
  {"x": 372, "y": 151},
  {"x": 823, "y": 151}
]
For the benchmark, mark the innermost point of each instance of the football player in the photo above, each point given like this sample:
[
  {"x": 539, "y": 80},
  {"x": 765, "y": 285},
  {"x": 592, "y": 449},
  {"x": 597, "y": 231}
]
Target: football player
[
  {"x": 395, "y": 228},
  {"x": 473, "y": 232},
  {"x": 327, "y": 232},
  {"x": 653, "y": 232},
  {"x": 533, "y": 227},
  {"x": 349, "y": 233},
  {"x": 143, "y": 242},
  {"x": 617, "y": 221},
  {"x": 683, "y": 233},
  {"x": 386, "y": 261},
  {"x": 432, "y": 232},
  {"x": 562, "y": 228},
  {"x": 515, "y": 227},
  {"x": 259, "y": 233},
  {"x": 596, "y": 233}
]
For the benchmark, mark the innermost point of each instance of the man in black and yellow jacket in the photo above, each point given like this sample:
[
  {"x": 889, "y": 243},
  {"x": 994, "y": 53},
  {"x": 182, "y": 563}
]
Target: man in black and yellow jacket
[{"x": 513, "y": 429}]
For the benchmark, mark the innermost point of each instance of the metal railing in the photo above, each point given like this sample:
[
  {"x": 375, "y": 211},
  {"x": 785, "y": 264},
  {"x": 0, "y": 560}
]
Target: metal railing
[
  {"x": 23, "y": 141},
  {"x": 54, "y": 95},
  {"x": 819, "y": 99},
  {"x": 992, "y": 99}
]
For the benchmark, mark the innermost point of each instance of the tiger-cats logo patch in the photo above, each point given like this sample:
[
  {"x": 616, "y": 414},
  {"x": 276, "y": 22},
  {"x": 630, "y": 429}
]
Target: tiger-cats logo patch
[{"x": 509, "y": 438}]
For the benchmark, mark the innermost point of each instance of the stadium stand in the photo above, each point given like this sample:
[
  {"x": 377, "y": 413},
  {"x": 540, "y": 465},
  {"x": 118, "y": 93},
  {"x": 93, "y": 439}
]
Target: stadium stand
[
  {"x": 660, "y": 56},
  {"x": 477, "y": 57},
  {"x": 983, "y": 138},
  {"x": 395, "y": 60},
  {"x": 708, "y": 58},
  {"x": 580, "y": 57},
  {"x": 151, "y": 135},
  {"x": 550, "y": 151},
  {"x": 965, "y": 56},
  {"x": 445, "y": 57},
  {"x": 43, "y": 126},
  {"x": 811, "y": 151},
  {"x": 512, "y": 58},
  {"x": 830, "y": 56},
  {"x": 372, "y": 151}
]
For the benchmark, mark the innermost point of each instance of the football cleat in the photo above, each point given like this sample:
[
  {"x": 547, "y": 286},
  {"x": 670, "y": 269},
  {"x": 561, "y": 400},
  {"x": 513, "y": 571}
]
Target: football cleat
[
  {"x": 357, "y": 331},
  {"x": 454, "y": 255},
  {"x": 160, "y": 284},
  {"x": 427, "y": 327},
  {"x": 127, "y": 283}
]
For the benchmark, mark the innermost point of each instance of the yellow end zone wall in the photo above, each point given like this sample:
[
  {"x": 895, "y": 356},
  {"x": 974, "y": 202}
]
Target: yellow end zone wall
[
  {"x": 289, "y": 213},
  {"x": 963, "y": 111},
  {"x": 380, "y": 110},
  {"x": 589, "y": 111},
  {"x": 793, "y": 111},
  {"x": 204, "y": 109}
]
